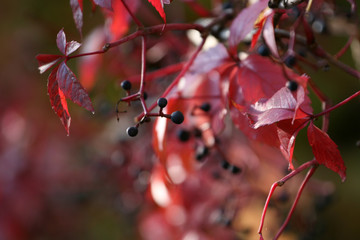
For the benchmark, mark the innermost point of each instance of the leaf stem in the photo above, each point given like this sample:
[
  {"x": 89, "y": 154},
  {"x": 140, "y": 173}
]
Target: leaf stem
[
  {"x": 337, "y": 105},
  {"x": 136, "y": 20},
  {"x": 280, "y": 183},
  {"x": 144, "y": 32},
  {"x": 306, "y": 179},
  {"x": 171, "y": 69},
  {"x": 181, "y": 74}
]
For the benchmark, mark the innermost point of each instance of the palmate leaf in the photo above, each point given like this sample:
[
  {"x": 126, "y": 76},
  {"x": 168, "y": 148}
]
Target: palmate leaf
[
  {"x": 72, "y": 88},
  {"x": 57, "y": 100},
  {"x": 159, "y": 6},
  {"x": 244, "y": 23},
  {"x": 62, "y": 82},
  {"x": 77, "y": 10},
  {"x": 326, "y": 151}
]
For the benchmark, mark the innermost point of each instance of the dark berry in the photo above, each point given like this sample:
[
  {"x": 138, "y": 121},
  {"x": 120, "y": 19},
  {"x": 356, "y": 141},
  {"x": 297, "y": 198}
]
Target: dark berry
[
  {"x": 293, "y": 13},
  {"x": 145, "y": 95},
  {"x": 205, "y": 107},
  {"x": 183, "y": 135},
  {"x": 290, "y": 61},
  {"x": 302, "y": 52},
  {"x": 225, "y": 164},
  {"x": 126, "y": 85},
  {"x": 197, "y": 133},
  {"x": 177, "y": 117},
  {"x": 227, "y": 5},
  {"x": 132, "y": 131},
  {"x": 234, "y": 169},
  {"x": 273, "y": 4},
  {"x": 263, "y": 50},
  {"x": 292, "y": 85},
  {"x": 201, "y": 152},
  {"x": 162, "y": 102}
]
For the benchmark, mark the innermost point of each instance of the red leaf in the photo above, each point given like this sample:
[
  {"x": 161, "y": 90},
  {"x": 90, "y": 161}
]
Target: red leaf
[
  {"x": 256, "y": 78},
  {"x": 72, "y": 88},
  {"x": 287, "y": 132},
  {"x": 159, "y": 6},
  {"x": 244, "y": 23},
  {"x": 326, "y": 151},
  {"x": 269, "y": 35},
  {"x": 61, "y": 41},
  {"x": 118, "y": 19},
  {"x": 57, "y": 100},
  {"x": 71, "y": 47},
  {"x": 210, "y": 59},
  {"x": 104, "y": 4},
  {"x": 89, "y": 65},
  {"x": 46, "y": 61},
  {"x": 77, "y": 10},
  {"x": 279, "y": 107}
]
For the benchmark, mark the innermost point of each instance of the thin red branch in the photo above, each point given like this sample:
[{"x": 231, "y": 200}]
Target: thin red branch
[
  {"x": 280, "y": 183},
  {"x": 144, "y": 32},
  {"x": 306, "y": 179},
  {"x": 181, "y": 74},
  {"x": 136, "y": 20},
  {"x": 159, "y": 73},
  {"x": 325, "y": 104},
  {"x": 345, "y": 48},
  {"x": 337, "y": 105}
]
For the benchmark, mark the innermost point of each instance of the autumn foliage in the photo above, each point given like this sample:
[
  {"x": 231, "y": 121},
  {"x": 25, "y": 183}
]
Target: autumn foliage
[{"x": 237, "y": 87}]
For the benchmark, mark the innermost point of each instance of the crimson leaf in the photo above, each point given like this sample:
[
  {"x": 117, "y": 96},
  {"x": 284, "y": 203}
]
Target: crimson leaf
[
  {"x": 104, "y": 4},
  {"x": 66, "y": 48},
  {"x": 210, "y": 59},
  {"x": 326, "y": 151},
  {"x": 46, "y": 61},
  {"x": 269, "y": 35},
  {"x": 77, "y": 10},
  {"x": 159, "y": 6},
  {"x": 72, "y": 88},
  {"x": 244, "y": 22},
  {"x": 57, "y": 100}
]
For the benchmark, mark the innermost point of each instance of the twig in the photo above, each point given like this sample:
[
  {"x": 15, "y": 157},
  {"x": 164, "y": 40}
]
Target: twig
[{"x": 308, "y": 176}]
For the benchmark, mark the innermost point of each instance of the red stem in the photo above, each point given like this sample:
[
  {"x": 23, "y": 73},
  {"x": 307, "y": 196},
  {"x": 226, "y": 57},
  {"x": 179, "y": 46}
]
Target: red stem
[
  {"x": 143, "y": 72},
  {"x": 280, "y": 183},
  {"x": 308, "y": 176},
  {"x": 144, "y": 32},
  {"x": 337, "y": 105},
  {"x": 325, "y": 104},
  {"x": 198, "y": 9},
  {"x": 159, "y": 73},
  {"x": 181, "y": 74},
  {"x": 132, "y": 15},
  {"x": 345, "y": 48}
]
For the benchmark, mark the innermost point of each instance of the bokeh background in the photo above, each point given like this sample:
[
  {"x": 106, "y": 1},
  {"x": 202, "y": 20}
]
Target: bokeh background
[{"x": 54, "y": 186}]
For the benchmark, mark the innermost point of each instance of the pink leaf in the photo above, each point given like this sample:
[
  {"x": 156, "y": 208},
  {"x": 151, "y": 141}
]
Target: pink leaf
[
  {"x": 326, "y": 151},
  {"x": 104, "y": 4},
  {"x": 244, "y": 23},
  {"x": 287, "y": 132},
  {"x": 118, "y": 19},
  {"x": 61, "y": 41},
  {"x": 71, "y": 47},
  {"x": 210, "y": 59},
  {"x": 57, "y": 100},
  {"x": 46, "y": 61},
  {"x": 89, "y": 65},
  {"x": 279, "y": 107},
  {"x": 77, "y": 10},
  {"x": 159, "y": 6},
  {"x": 269, "y": 36},
  {"x": 72, "y": 88}
]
